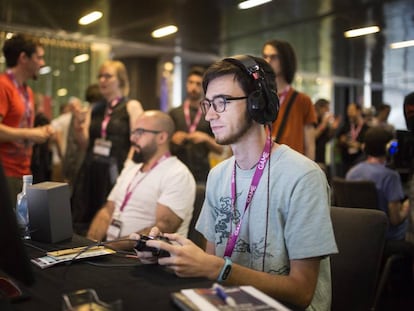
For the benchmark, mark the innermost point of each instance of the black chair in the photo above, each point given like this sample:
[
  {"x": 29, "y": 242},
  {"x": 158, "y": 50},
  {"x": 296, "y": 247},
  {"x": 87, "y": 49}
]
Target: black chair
[
  {"x": 360, "y": 237},
  {"x": 193, "y": 234},
  {"x": 354, "y": 193}
]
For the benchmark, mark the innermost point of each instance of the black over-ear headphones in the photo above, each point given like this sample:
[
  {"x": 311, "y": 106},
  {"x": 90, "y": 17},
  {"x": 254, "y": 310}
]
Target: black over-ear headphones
[{"x": 262, "y": 103}]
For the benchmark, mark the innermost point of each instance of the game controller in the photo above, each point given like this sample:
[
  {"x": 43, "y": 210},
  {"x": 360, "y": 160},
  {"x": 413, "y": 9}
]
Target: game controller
[{"x": 142, "y": 246}]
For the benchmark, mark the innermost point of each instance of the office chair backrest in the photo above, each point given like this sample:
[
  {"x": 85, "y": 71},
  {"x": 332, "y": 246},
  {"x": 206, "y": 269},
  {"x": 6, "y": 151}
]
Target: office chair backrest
[
  {"x": 360, "y": 237},
  {"x": 193, "y": 234},
  {"x": 354, "y": 193}
]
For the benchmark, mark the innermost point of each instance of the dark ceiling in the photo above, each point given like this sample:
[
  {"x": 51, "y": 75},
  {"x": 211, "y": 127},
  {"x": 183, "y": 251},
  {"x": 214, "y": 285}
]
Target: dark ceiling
[{"x": 129, "y": 20}]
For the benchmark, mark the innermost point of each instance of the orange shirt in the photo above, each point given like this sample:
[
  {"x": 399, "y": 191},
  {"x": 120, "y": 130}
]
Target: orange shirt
[
  {"x": 15, "y": 156},
  {"x": 301, "y": 113}
]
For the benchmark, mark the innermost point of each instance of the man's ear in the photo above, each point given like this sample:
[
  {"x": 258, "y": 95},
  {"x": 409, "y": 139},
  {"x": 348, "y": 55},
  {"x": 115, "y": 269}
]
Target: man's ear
[
  {"x": 162, "y": 137},
  {"x": 23, "y": 57}
]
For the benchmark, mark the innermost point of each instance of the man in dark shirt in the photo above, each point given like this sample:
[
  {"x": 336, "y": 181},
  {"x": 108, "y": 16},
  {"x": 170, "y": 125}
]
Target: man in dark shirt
[{"x": 193, "y": 139}]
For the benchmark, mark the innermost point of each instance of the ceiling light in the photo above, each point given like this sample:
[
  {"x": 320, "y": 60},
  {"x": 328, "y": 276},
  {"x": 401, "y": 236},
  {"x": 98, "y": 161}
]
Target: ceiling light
[
  {"x": 402, "y": 44},
  {"x": 62, "y": 92},
  {"x": 45, "y": 70},
  {"x": 90, "y": 18},
  {"x": 164, "y": 31},
  {"x": 251, "y": 3},
  {"x": 168, "y": 66},
  {"x": 361, "y": 31},
  {"x": 81, "y": 58}
]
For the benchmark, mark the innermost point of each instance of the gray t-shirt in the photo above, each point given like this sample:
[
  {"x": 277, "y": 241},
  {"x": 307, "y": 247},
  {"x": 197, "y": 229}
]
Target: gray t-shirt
[{"x": 298, "y": 212}]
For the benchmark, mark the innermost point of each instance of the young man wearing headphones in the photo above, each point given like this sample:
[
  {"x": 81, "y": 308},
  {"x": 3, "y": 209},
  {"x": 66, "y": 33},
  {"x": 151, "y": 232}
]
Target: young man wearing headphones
[{"x": 266, "y": 213}]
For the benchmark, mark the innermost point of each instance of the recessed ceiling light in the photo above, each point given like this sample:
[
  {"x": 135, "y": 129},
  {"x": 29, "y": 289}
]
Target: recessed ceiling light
[
  {"x": 402, "y": 44},
  {"x": 45, "y": 70},
  {"x": 361, "y": 31},
  {"x": 90, "y": 18},
  {"x": 251, "y": 3},
  {"x": 164, "y": 31},
  {"x": 81, "y": 58},
  {"x": 62, "y": 92}
]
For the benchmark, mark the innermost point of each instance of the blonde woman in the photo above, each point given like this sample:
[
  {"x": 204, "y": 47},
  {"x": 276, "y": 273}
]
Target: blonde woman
[{"x": 104, "y": 132}]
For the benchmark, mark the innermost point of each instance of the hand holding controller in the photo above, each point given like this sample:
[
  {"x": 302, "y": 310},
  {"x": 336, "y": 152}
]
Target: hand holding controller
[{"x": 141, "y": 246}]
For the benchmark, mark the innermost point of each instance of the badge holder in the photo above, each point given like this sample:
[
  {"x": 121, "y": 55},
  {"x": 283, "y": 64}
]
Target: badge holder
[{"x": 87, "y": 299}]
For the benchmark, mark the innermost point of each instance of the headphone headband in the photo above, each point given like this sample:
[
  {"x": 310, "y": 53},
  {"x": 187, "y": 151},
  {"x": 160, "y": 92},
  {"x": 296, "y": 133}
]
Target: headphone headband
[{"x": 262, "y": 103}]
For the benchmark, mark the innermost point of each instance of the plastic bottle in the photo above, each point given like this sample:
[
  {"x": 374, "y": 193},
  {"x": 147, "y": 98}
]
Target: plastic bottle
[{"x": 22, "y": 211}]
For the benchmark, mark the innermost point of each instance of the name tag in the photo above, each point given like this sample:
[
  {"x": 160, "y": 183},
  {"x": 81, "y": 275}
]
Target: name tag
[
  {"x": 353, "y": 150},
  {"x": 114, "y": 230},
  {"x": 102, "y": 147}
]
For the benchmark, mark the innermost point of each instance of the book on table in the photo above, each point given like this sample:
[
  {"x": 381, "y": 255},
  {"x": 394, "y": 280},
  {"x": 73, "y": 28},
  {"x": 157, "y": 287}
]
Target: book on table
[{"x": 206, "y": 299}]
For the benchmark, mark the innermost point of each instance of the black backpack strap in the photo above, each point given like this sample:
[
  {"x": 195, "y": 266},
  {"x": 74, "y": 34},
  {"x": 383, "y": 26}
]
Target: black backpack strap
[{"x": 284, "y": 120}]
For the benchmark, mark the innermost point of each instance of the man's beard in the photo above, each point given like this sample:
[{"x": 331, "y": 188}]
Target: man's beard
[
  {"x": 194, "y": 96},
  {"x": 234, "y": 137},
  {"x": 144, "y": 154},
  {"x": 137, "y": 157}
]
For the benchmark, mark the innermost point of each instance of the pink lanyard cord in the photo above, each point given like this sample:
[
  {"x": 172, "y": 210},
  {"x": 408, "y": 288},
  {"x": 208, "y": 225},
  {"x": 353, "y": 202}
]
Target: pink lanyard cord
[
  {"x": 131, "y": 188},
  {"x": 108, "y": 115},
  {"x": 191, "y": 125},
  {"x": 24, "y": 94},
  {"x": 283, "y": 94},
  {"x": 231, "y": 242},
  {"x": 355, "y": 131}
]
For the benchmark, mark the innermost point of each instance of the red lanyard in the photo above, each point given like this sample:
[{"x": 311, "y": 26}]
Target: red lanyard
[
  {"x": 191, "y": 126},
  {"x": 24, "y": 94},
  {"x": 131, "y": 188},
  {"x": 107, "y": 116},
  {"x": 231, "y": 242}
]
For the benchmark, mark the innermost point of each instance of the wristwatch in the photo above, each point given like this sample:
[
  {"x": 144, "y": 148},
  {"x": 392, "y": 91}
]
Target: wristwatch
[{"x": 225, "y": 271}]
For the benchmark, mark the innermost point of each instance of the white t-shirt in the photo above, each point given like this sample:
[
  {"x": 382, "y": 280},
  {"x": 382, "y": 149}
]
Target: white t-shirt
[
  {"x": 61, "y": 125},
  {"x": 169, "y": 183}
]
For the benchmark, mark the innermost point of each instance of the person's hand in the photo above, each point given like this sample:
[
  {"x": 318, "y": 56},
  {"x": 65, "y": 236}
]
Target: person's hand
[
  {"x": 146, "y": 257},
  {"x": 41, "y": 134},
  {"x": 198, "y": 137},
  {"x": 186, "y": 259},
  {"x": 336, "y": 122},
  {"x": 326, "y": 119},
  {"x": 179, "y": 137},
  {"x": 80, "y": 114}
]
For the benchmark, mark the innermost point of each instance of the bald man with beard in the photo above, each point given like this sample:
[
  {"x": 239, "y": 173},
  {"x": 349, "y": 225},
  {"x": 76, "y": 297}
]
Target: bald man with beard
[{"x": 159, "y": 191}]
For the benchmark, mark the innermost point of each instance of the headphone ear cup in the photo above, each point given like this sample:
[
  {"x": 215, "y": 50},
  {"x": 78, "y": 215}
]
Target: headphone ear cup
[
  {"x": 256, "y": 106},
  {"x": 272, "y": 107},
  {"x": 255, "y": 101},
  {"x": 263, "y": 103}
]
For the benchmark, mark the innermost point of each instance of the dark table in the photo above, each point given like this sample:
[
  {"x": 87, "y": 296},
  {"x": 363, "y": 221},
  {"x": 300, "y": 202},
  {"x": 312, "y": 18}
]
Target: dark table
[{"x": 113, "y": 277}]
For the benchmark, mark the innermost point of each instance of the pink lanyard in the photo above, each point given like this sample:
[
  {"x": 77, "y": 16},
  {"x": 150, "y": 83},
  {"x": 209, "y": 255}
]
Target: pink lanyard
[
  {"x": 282, "y": 95},
  {"x": 130, "y": 190},
  {"x": 231, "y": 242},
  {"x": 107, "y": 116},
  {"x": 191, "y": 126},
  {"x": 355, "y": 131},
  {"x": 24, "y": 94}
]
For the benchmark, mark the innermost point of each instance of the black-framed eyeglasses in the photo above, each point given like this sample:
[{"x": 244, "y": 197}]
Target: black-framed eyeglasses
[
  {"x": 218, "y": 102},
  {"x": 139, "y": 131}
]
